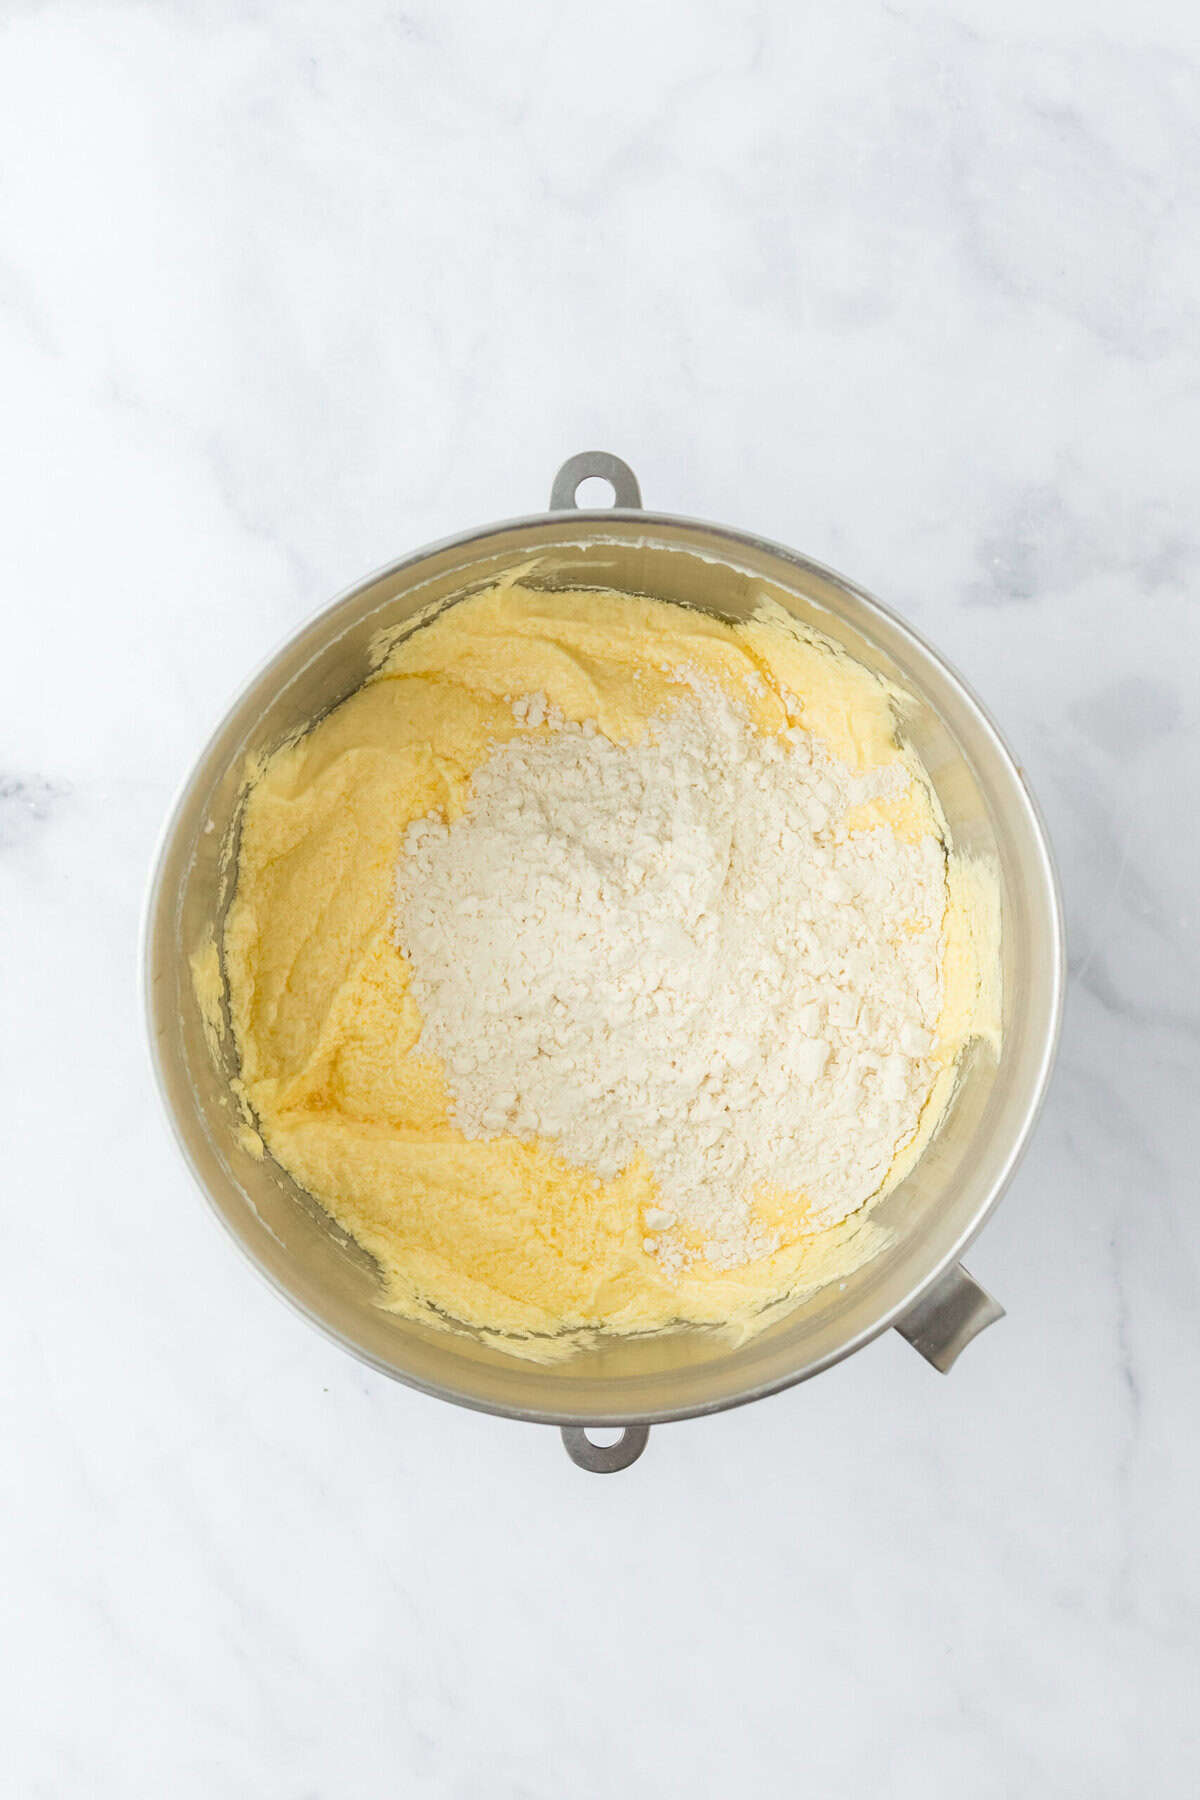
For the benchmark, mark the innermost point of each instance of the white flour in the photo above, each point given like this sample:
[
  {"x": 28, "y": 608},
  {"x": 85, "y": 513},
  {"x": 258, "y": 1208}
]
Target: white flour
[{"x": 674, "y": 950}]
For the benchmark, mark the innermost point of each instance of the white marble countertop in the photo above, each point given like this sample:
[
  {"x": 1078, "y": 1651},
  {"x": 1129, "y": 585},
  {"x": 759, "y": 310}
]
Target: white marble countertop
[{"x": 288, "y": 289}]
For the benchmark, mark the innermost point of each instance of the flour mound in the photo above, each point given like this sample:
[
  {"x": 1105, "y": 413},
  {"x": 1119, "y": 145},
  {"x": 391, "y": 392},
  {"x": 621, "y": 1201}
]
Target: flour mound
[{"x": 679, "y": 951}]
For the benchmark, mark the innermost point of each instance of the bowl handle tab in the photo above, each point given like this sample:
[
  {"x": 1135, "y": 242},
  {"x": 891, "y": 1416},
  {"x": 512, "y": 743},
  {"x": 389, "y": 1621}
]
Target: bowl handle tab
[
  {"x": 945, "y": 1319},
  {"x": 578, "y": 469},
  {"x": 604, "y": 1459}
]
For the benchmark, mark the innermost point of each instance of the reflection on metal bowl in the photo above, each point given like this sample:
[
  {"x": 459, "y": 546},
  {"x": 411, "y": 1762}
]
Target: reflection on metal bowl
[{"x": 914, "y": 1282}]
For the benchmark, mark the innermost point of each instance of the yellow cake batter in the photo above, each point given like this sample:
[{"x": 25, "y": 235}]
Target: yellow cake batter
[{"x": 500, "y": 1234}]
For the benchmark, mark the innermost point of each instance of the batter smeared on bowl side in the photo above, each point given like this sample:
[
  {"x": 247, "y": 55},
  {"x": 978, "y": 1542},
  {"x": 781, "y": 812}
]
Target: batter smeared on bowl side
[{"x": 600, "y": 962}]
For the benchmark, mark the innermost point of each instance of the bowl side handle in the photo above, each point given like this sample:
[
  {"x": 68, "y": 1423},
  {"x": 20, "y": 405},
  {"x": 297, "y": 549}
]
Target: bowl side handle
[
  {"x": 945, "y": 1319},
  {"x": 587, "y": 463},
  {"x": 604, "y": 1459}
]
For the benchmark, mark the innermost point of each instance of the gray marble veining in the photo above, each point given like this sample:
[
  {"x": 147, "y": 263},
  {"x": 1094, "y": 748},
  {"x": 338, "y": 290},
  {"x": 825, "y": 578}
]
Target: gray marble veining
[{"x": 284, "y": 292}]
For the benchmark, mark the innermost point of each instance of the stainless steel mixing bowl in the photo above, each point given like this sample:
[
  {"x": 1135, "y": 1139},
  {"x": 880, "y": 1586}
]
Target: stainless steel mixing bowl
[{"x": 915, "y": 1282}]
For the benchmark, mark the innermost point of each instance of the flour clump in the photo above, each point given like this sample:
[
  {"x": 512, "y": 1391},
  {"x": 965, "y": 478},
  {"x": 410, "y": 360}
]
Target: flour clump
[{"x": 696, "y": 950}]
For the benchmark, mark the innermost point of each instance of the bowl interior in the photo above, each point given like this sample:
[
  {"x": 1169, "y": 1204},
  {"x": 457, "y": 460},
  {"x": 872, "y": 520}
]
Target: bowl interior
[{"x": 928, "y": 1218}]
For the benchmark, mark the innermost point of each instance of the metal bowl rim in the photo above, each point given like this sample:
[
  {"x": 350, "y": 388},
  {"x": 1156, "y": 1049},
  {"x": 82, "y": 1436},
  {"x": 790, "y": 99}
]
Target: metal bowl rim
[{"x": 668, "y": 522}]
